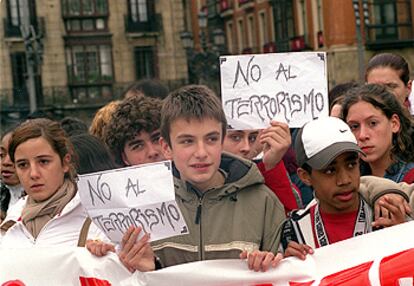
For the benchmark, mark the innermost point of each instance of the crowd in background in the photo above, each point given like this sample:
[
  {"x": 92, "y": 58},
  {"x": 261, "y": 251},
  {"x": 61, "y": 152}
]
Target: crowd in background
[{"x": 258, "y": 195}]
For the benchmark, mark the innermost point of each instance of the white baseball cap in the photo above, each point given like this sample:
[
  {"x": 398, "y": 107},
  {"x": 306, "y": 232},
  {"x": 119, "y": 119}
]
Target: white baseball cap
[{"x": 320, "y": 141}]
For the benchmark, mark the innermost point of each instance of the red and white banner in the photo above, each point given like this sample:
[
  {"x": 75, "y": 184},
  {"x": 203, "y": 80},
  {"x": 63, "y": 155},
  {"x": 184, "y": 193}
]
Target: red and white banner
[{"x": 384, "y": 257}]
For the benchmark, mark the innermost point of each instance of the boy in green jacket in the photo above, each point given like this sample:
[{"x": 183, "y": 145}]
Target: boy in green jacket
[{"x": 228, "y": 209}]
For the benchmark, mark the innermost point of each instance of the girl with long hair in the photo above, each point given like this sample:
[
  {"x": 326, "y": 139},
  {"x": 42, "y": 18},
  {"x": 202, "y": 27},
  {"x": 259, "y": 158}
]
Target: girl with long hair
[{"x": 384, "y": 131}]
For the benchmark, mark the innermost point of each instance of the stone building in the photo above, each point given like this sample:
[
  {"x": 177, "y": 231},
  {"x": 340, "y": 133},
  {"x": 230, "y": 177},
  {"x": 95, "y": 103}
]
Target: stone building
[
  {"x": 260, "y": 26},
  {"x": 76, "y": 55}
]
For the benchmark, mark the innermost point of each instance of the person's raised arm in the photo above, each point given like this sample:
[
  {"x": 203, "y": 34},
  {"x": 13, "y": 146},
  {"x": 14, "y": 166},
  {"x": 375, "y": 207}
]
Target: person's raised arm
[{"x": 276, "y": 141}]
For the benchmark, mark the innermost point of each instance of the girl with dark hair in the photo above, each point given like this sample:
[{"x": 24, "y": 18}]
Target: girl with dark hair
[
  {"x": 384, "y": 131},
  {"x": 392, "y": 71},
  {"x": 52, "y": 214},
  {"x": 92, "y": 154},
  {"x": 10, "y": 189}
]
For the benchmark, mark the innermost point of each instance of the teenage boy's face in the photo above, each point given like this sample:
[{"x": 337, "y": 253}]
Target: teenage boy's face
[
  {"x": 196, "y": 147},
  {"x": 337, "y": 185},
  {"x": 241, "y": 142},
  {"x": 143, "y": 148}
]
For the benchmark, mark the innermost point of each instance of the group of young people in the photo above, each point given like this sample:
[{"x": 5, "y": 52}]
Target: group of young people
[{"x": 232, "y": 186}]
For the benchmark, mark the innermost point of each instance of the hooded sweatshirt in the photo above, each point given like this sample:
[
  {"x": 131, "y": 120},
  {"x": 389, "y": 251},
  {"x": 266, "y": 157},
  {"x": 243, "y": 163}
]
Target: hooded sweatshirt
[{"x": 243, "y": 214}]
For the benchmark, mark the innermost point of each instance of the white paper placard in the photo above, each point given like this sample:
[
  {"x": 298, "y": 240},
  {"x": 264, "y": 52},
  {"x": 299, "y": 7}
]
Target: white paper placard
[
  {"x": 141, "y": 196},
  {"x": 289, "y": 87}
]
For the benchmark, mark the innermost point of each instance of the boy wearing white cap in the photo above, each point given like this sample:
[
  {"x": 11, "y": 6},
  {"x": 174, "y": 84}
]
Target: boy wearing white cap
[{"x": 328, "y": 156}]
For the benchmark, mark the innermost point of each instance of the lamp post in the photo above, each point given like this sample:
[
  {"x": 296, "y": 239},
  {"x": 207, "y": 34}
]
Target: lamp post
[
  {"x": 202, "y": 24},
  {"x": 203, "y": 64},
  {"x": 360, "y": 44},
  {"x": 33, "y": 43}
]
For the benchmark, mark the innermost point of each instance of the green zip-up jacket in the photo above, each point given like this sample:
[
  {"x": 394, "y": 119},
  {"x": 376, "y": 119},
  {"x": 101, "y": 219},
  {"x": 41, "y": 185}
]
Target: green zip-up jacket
[{"x": 243, "y": 214}]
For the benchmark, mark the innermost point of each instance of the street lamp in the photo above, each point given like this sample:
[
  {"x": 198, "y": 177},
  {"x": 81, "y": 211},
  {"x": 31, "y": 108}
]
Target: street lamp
[
  {"x": 203, "y": 65},
  {"x": 187, "y": 40},
  {"x": 219, "y": 39},
  {"x": 202, "y": 19},
  {"x": 188, "y": 45},
  {"x": 202, "y": 24}
]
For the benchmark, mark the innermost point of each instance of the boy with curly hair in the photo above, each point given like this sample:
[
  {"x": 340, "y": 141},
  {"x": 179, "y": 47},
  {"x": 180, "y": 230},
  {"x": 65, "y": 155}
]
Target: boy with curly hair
[{"x": 132, "y": 134}]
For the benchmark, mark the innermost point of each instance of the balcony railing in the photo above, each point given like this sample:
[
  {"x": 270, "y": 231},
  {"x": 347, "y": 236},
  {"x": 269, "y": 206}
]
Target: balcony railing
[
  {"x": 241, "y": 2},
  {"x": 269, "y": 47},
  {"x": 382, "y": 36},
  {"x": 247, "y": 50},
  {"x": 152, "y": 25},
  {"x": 225, "y": 5},
  {"x": 297, "y": 44},
  {"x": 320, "y": 39},
  {"x": 246, "y": 4},
  {"x": 13, "y": 31}
]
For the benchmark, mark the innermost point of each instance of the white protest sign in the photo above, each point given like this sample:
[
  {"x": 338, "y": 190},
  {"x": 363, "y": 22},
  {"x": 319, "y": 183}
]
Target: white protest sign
[
  {"x": 287, "y": 87},
  {"x": 383, "y": 258},
  {"x": 141, "y": 196}
]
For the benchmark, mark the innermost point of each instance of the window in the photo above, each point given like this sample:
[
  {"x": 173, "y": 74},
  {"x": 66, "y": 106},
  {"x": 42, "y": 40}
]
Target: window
[
  {"x": 145, "y": 64},
  {"x": 250, "y": 31},
  {"x": 229, "y": 37},
  {"x": 85, "y": 15},
  {"x": 19, "y": 72},
  {"x": 19, "y": 13},
  {"x": 84, "y": 8},
  {"x": 139, "y": 10},
  {"x": 141, "y": 16},
  {"x": 285, "y": 28},
  {"x": 320, "y": 15},
  {"x": 303, "y": 19},
  {"x": 319, "y": 29},
  {"x": 390, "y": 22},
  {"x": 263, "y": 28},
  {"x": 90, "y": 73},
  {"x": 213, "y": 8},
  {"x": 240, "y": 35},
  {"x": 385, "y": 14}
]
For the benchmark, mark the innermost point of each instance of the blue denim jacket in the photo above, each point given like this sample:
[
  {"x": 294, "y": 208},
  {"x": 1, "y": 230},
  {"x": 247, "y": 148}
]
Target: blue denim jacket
[{"x": 395, "y": 172}]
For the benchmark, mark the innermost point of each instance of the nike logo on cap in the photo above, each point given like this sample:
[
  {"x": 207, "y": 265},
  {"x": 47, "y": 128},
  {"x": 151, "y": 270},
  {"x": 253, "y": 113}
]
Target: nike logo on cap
[{"x": 342, "y": 130}]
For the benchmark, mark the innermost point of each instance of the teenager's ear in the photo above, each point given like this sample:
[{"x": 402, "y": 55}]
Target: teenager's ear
[
  {"x": 395, "y": 123},
  {"x": 304, "y": 176},
  {"x": 125, "y": 159},
  {"x": 166, "y": 149},
  {"x": 66, "y": 163},
  {"x": 409, "y": 86}
]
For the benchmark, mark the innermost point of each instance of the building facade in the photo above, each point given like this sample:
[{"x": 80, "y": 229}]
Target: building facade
[
  {"x": 76, "y": 55},
  {"x": 350, "y": 31}
]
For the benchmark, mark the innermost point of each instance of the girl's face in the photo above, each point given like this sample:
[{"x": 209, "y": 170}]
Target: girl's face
[
  {"x": 391, "y": 79},
  {"x": 373, "y": 130},
  {"x": 39, "y": 168},
  {"x": 8, "y": 172}
]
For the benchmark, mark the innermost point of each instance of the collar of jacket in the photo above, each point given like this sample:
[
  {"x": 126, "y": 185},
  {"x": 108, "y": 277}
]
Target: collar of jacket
[{"x": 240, "y": 172}]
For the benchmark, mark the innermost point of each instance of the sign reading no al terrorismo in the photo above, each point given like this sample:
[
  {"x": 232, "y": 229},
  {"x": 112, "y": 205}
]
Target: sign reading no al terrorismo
[
  {"x": 288, "y": 87},
  {"x": 141, "y": 196}
]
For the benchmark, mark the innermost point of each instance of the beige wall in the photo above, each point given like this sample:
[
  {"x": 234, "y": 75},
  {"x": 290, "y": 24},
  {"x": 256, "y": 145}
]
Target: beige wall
[
  {"x": 54, "y": 64},
  {"x": 171, "y": 60},
  {"x": 171, "y": 55},
  {"x": 5, "y": 73},
  {"x": 343, "y": 63}
]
